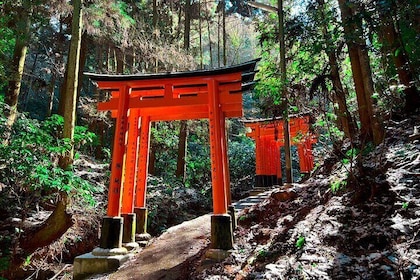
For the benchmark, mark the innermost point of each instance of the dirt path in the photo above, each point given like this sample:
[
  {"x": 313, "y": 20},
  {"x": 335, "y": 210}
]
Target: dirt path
[{"x": 169, "y": 256}]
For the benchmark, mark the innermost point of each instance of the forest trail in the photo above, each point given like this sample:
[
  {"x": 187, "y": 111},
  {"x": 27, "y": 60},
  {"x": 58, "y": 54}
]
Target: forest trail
[{"x": 169, "y": 255}]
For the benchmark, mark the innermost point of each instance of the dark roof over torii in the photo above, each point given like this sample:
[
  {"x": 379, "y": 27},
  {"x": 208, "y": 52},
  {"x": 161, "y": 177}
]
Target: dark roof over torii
[{"x": 247, "y": 69}]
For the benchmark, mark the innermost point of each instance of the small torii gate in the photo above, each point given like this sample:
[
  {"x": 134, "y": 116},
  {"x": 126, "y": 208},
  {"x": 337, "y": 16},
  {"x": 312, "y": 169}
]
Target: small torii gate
[
  {"x": 268, "y": 136},
  {"x": 138, "y": 100}
]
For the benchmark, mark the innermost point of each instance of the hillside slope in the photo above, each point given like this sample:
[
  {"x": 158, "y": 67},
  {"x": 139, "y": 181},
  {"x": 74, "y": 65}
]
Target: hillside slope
[{"x": 369, "y": 229}]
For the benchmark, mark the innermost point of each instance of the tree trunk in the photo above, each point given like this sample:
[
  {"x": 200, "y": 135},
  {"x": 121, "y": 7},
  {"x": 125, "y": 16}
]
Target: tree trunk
[
  {"x": 119, "y": 60},
  {"x": 18, "y": 63},
  {"x": 210, "y": 45},
  {"x": 183, "y": 127},
  {"x": 200, "y": 34},
  {"x": 283, "y": 93},
  {"x": 346, "y": 123},
  {"x": 82, "y": 63},
  {"x": 152, "y": 155},
  {"x": 392, "y": 43},
  {"x": 27, "y": 94},
  {"x": 218, "y": 40},
  {"x": 187, "y": 25},
  {"x": 224, "y": 33},
  {"x": 51, "y": 93},
  {"x": 362, "y": 77},
  {"x": 72, "y": 83},
  {"x": 182, "y": 150},
  {"x": 53, "y": 228}
]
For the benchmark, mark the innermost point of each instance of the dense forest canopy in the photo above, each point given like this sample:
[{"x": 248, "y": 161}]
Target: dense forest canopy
[{"x": 351, "y": 64}]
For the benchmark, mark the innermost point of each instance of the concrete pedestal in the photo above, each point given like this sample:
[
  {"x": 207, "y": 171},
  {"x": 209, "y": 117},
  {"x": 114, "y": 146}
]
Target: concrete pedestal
[
  {"x": 141, "y": 235},
  {"x": 111, "y": 233},
  {"x": 141, "y": 220},
  {"x": 221, "y": 232},
  {"x": 129, "y": 227},
  {"x": 89, "y": 264}
]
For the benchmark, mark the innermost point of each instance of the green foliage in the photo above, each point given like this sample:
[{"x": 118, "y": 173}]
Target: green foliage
[
  {"x": 7, "y": 42},
  {"x": 241, "y": 158},
  {"x": 350, "y": 155},
  {"x": 337, "y": 185},
  {"x": 262, "y": 253},
  {"x": 300, "y": 242},
  {"x": 29, "y": 162},
  {"x": 405, "y": 205}
]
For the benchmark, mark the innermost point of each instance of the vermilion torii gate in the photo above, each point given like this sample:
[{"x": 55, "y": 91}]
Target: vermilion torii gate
[
  {"x": 268, "y": 136},
  {"x": 138, "y": 100}
]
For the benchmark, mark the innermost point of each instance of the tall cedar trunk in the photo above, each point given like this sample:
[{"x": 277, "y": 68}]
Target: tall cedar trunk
[
  {"x": 224, "y": 33},
  {"x": 344, "y": 118},
  {"x": 210, "y": 44},
  {"x": 182, "y": 150},
  {"x": 392, "y": 43},
  {"x": 51, "y": 93},
  {"x": 152, "y": 148},
  {"x": 26, "y": 96},
  {"x": 187, "y": 25},
  {"x": 152, "y": 155},
  {"x": 119, "y": 60},
  {"x": 99, "y": 57},
  {"x": 362, "y": 77},
  {"x": 72, "y": 83},
  {"x": 200, "y": 35},
  {"x": 82, "y": 63},
  {"x": 218, "y": 41},
  {"x": 286, "y": 133},
  {"x": 183, "y": 127},
  {"x": 155, "y": 32},
  {"x": 18, "y": 63}
]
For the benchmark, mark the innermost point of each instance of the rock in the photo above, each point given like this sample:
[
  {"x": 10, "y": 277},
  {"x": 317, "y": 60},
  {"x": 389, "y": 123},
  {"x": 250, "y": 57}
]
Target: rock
[{"x": 284, "y": 195}]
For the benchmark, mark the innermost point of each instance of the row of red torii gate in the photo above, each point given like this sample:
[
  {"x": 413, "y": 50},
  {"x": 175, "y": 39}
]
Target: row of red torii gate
[{"x": 138, "y": 100}]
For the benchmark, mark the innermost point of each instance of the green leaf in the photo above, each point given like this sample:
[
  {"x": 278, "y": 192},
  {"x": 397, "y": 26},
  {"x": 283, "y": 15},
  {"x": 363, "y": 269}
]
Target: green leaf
[{"x": 300, "y": 242}]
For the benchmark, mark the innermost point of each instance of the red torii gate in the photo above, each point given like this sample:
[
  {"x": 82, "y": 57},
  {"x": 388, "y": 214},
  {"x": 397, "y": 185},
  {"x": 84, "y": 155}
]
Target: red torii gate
[
  {"x": 268, "y": 136},
  {"x": 136, "y": 101}
]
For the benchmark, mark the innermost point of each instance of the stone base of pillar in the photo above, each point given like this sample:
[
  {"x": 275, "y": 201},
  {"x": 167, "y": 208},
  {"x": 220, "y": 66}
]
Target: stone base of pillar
[
  {"x": 141, "y": 219},
  {"x": 231, "y": 212},
  {"x": 221, "y": 232},
  {"x": 111, "y": 233},
  {"x": 129, "y": 227},
  {"x": 90, "y": 263},
  {"x": 142, "y": 237}
]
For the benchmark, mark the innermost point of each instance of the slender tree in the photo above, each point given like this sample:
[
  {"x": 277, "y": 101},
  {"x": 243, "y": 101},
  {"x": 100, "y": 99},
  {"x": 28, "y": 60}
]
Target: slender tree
[
  {"x": 371, "y": 129},
  {"x": 345, "y": 120},
  {"x": 287, "y": 151},
  {"x": 23, "y": 22},
  {"x": 393, "y": 47},
  {"x": 72, "y": 83}
]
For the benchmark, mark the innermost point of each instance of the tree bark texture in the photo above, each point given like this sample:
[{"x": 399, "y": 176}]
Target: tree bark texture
[
  {"x": 182, "y": 150},
  {"x": 371, "y": 130},
  {"x": 283, "y": 93},
  {"x": 72, "y": 83},
  {"x": 18, "y": 63},
  {"x": 53, "y": 228},
  {"x": 345, "y": 120},
  {"x": 392, "y": 45}
]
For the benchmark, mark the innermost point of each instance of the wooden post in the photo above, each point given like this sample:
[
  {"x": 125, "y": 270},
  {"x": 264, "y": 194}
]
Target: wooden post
[
  {"x": 129, "y": 177},
  {"x": 221, "y": 224},
  {"x": 111, "y": 234},
  {"x": 141, "y": 186}
]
